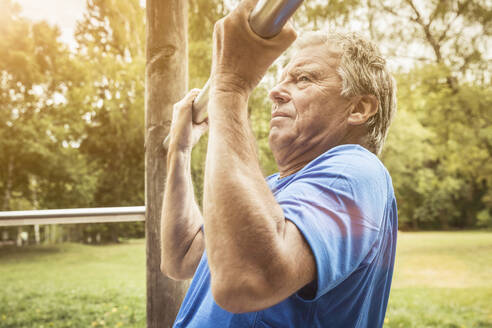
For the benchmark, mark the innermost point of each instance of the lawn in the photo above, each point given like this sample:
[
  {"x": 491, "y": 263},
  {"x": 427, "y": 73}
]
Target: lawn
[
  {"x": 442, "y": 279},
  {"x": 72, "y": 285}
]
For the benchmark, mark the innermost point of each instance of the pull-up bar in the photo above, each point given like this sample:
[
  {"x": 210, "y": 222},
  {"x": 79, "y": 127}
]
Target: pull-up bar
[
  {"x": 266, "y": 20},
  {"x": 73, "y": 215}
]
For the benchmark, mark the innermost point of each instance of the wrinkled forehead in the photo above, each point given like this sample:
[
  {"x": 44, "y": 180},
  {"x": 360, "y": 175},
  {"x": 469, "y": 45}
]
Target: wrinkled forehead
[{"x": 320, "y": 57}]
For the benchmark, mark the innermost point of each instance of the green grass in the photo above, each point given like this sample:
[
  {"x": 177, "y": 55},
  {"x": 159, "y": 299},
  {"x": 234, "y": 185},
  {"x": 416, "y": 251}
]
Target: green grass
[
  {"x": 73, "y": 285},
  {"x": 442, "y": 279}
]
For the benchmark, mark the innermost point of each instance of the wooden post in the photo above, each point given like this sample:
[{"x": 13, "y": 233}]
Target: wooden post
[{"x": 166, "y": 83}]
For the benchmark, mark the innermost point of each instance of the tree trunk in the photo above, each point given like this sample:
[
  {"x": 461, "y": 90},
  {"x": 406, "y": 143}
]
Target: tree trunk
[
  {"x": 166, "y": 83},
  {"x": 8, "y": 185},
  {"x": 35, "y": 203},
  {"x": 18, "y": 240},
  {"x": 53, "y": 236},
  {"x": 37, "y": 236}
]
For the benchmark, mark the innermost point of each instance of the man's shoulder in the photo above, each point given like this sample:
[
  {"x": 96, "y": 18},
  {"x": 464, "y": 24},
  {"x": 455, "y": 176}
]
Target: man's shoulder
[
  {"x": 351, "y": 161},
  {"x": 349, "y": 168}
]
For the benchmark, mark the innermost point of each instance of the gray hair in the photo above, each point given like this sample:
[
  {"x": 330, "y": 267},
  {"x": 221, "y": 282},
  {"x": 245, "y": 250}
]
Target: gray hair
[{"x": 363, "y": 71}]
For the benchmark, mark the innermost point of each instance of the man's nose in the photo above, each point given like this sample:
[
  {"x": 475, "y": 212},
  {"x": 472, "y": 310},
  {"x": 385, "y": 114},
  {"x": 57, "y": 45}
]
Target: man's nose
[{"x": 279, "y": 94}]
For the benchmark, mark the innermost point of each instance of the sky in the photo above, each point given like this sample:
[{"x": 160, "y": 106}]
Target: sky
[{"x": 63, "y": 13}]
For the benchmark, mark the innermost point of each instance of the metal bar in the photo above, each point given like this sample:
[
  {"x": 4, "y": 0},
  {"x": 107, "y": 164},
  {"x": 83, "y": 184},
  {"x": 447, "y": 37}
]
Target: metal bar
[
  {"x": 72, "y": 216},
  {"x": 268, "y": 17},
  {"x": 266, "y": 20}
]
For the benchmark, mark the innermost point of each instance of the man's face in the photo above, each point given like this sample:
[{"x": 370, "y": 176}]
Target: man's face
[{"x": 308, "y": 109}]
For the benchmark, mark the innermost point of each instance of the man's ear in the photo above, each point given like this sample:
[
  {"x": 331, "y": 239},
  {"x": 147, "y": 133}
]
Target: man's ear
[{"x": 363, "y": 109}]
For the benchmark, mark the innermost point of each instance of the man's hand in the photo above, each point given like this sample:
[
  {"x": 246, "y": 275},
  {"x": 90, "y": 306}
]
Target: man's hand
[
  {"x": 182, "y": 242},
  {"x": 240, "y": 56},
  {"x": 184, "y": 133}
]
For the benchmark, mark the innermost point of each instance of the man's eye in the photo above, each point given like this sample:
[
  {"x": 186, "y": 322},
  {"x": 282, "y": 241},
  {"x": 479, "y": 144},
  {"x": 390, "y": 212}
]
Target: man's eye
[{"x": 303, "y": 78}]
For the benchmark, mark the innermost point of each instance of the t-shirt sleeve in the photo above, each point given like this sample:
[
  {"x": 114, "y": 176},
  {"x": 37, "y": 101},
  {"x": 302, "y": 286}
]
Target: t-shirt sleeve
[{"x": 338, "y": 207}]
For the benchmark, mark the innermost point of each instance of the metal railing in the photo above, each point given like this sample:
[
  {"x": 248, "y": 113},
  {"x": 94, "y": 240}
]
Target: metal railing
[{"x": 72, "y": 216}]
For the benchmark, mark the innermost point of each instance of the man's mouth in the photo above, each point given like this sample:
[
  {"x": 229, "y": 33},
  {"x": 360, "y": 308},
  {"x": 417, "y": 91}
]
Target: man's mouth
[{"x": 279, "y": 114}]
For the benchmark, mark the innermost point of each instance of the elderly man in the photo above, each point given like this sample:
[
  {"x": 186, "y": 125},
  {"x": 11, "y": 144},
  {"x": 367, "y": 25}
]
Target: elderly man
[{"x": 314, "y": 244}]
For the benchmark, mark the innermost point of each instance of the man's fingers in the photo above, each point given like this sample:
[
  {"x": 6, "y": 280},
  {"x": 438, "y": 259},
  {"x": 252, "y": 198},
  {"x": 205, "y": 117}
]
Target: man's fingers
[
  {"x": 285, "y": 38},
  {"x": 187, "y": 101},
  {"x": 182, "y": 109},
  {"x": 190, "y": 97},
  {"x": 288, "y": 32}
]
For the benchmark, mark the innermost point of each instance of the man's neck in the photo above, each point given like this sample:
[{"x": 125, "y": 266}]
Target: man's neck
[
  {"x": 293, "y": 161},
  {"x": 284, "y": 172}
]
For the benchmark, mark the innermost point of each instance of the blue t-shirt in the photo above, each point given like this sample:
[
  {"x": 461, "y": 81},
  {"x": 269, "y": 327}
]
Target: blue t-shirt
[{"x": 344, "y": 205}]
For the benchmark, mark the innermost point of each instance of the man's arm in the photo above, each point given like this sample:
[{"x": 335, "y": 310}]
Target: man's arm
[
  {"x": 181, "y": 235},
  {"x": 182, "y": 242},
  {"x": 256, "y": 257}
]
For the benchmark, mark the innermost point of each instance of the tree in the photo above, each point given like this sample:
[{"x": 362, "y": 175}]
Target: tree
[
  {"x": 167, "y": 79},
  {"x": 109, "y": 101},
  {"x": 71, "y": 124},
  {"x": 448, "y": 93},
  {"x": 34, "y": 126},
  {"x": 110, "y": 42},
  {"x": 452, "y": 33}
]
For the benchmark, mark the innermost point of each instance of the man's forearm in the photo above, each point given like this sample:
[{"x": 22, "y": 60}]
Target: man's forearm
[
  {"x": 242, "y": 218},
  {"x": 181, "y": 218}
]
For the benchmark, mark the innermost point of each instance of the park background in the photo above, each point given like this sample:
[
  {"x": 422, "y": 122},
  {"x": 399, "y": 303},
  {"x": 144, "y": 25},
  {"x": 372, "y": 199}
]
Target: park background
[{"x": 72, "y": 136}]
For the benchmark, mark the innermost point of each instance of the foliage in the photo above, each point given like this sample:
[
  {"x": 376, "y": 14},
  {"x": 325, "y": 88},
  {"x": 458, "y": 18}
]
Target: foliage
[
  {"x": 39, "y": 165},
  {"x": 439, "y": 147},
  {"x": 77, "y": 119},
  {"x": 453, "y": 33},
  {"x": 110, "y": 99},
  {"x": 72, "y": 122},
  {"x": 439, "y": 151}
]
